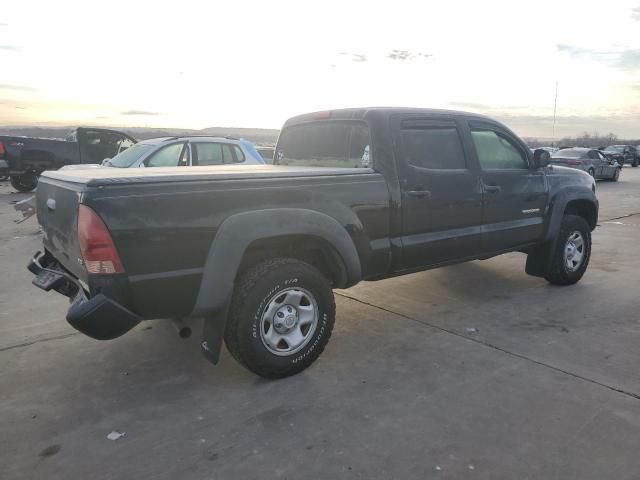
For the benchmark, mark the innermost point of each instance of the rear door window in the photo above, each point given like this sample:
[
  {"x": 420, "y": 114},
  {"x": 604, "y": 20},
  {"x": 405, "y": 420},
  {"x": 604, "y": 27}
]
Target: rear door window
[
  {"x": 209, "y": 153},
  {"x": 437, "y": 148},
  {"x": 337, "y": 144},
  {"x": 213, "y": 153}
]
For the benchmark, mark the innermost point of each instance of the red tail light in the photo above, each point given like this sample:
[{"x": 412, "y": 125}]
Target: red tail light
[
  {"x": 322, "y": 115},
  {"x": 98, "y": 251},
  {"x": 2, "y": 149},
  {"x": 574, "y": 162}
]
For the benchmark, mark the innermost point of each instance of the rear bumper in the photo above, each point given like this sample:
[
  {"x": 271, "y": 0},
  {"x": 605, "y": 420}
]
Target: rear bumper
[{"x": 98, "y": 317}]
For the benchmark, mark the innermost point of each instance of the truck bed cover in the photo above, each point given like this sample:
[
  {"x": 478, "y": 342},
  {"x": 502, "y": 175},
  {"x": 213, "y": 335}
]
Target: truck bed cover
[{"x": 95, "y": 177}]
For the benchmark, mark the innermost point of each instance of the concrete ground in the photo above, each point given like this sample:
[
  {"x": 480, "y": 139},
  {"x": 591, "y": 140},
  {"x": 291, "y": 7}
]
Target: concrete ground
[{"x": 475, "y": 371}]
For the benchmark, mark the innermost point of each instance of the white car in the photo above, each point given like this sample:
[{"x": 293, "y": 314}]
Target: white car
[{"x": 186, "y": 152}]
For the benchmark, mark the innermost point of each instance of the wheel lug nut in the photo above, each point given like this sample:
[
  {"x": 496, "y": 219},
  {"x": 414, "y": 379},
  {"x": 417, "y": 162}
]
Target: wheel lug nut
[
  {"x": 289, "y": 309},
  {"x": 280, "y": 314}
]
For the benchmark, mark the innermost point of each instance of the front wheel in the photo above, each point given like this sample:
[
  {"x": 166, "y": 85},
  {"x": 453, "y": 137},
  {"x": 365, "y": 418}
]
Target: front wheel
[
  {"x": 25, "y": 182},
  {"x": 616, "y": 175},
  {"x": 572, "y": 251},
  {"x": 281, "y": 317}
]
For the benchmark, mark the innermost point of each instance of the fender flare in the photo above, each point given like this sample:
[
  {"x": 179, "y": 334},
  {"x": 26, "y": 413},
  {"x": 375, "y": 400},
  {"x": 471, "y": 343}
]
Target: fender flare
[
  {"x": 539, "y": 258},
  {"x": 238, "y": 231},
  {"x": 558, "y": 206}
]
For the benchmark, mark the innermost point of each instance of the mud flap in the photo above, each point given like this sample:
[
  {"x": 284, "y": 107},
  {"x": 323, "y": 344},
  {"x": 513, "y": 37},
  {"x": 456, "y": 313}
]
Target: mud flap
[
  {"x": 539, "y": 259},
  {"x": 213, "y": 334}
]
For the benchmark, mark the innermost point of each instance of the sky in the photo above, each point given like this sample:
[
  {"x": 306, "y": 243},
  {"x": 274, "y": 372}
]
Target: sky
[{"x": 243, "y": 63}]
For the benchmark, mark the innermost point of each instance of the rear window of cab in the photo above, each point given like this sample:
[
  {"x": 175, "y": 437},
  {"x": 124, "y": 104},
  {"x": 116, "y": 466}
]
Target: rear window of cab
[{"x": 328, "y": 143}]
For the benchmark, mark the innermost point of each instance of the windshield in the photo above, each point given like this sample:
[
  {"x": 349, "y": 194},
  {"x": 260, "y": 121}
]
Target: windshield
[
  {"x": 568, "y": 153},
  {"x": 130, "y": 155},
  {"x": 614, "y": 148}
]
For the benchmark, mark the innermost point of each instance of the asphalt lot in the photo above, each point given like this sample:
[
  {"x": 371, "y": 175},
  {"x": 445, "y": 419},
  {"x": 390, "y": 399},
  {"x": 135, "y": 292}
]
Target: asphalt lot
[{"x": 473, "y": 371}]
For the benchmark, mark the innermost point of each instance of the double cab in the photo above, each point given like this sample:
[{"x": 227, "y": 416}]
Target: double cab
[{"x": 355, "y": 194}]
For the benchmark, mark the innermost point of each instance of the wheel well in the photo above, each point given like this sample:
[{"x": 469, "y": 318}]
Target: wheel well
[
  {"x": 584, "y": 209},
  {"x": 307, "y": 248}
]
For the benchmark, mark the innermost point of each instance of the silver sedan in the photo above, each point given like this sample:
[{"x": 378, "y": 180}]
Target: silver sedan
[{"x": 592, "y": 161}]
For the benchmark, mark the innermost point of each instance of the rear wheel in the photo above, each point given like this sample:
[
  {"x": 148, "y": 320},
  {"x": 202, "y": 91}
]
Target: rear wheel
[
  {"x": 634, "y": 163},
  {"x": 281, "y": 317},
  {"x": 25, "y": 182},
  {"x": 572, "y": 251}
]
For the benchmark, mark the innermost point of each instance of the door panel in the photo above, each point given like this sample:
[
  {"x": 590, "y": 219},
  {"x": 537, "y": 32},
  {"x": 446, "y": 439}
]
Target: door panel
[
  {"x": 514, "y": 212},
  {"x": 441, "y": 194},
  {"x": 515, "y": 195}
]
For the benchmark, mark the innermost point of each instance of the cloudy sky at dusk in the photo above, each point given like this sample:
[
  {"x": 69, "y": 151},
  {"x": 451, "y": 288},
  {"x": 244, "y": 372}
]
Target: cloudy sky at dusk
[{"x": 255, "y": 63}]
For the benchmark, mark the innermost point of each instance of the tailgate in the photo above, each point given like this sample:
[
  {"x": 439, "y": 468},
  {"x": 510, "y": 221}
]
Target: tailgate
[{"x": 57, "y": 209}]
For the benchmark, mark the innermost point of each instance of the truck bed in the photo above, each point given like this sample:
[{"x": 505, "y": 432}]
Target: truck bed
[{"x": 163, "y": 220}]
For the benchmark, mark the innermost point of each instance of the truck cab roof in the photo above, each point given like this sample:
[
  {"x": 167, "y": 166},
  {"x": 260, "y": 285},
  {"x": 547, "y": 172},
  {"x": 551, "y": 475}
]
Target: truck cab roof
[{"x": 367, "y": 112}]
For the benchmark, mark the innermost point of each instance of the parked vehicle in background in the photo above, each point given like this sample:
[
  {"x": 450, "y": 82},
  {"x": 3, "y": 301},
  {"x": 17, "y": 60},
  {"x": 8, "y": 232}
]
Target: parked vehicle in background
[
  {"x": 591, "y": 160},
  {"x": 266, "y": 153},
  {"x": 623, "y": 154},
  {"x": 551, "y": 150},
  {"x": 25, "y": 158},
  {"x": 255, "y": 251},
  {"x": 186, "y": 152}
]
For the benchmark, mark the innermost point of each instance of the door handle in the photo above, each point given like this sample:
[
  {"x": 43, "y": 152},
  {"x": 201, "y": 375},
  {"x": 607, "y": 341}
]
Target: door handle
[
  {"x": 493, "y": 188},
  {"x": 419, "y": 193}
]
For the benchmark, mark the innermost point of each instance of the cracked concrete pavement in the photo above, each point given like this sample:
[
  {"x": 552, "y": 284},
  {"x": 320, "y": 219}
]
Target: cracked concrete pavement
[{"x": 470, "y": 371}]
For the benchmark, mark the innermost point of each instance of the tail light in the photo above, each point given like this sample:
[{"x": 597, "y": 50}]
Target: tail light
[
  {"x": 574, "y": 162},
  {"x": 2, "y": 151},
  {"x": 98, "y": 250}
]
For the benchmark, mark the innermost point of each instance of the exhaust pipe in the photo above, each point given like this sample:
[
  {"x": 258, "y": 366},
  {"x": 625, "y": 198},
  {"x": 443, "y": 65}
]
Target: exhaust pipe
[{"x": 184, "y": 330}]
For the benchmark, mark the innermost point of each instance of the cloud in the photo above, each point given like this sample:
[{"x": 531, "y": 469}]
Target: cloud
[
  {"x": 635, "y": 13},
  {"x": 403, "y": 55},
  {"x": 628, "y": 59},
  {"x": 22, "y": 88},
  {"x": 355, "y": 57},
  {"x": 138, "y": 112},
  {"x": 10, "y": 48}
]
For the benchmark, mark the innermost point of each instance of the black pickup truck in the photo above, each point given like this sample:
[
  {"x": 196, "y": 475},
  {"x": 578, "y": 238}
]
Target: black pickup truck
[
  {"x": 365, "y": 194},
  {"x": 23, "y": 159}
]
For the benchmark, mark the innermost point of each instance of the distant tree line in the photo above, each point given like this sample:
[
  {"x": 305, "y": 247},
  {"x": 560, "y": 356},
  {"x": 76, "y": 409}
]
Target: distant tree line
[{"x": 590, "y": 140}]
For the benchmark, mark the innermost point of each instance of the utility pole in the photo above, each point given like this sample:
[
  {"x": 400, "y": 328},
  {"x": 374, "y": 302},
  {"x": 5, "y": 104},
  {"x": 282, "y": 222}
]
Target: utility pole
[{"x": 555, "y": 106}]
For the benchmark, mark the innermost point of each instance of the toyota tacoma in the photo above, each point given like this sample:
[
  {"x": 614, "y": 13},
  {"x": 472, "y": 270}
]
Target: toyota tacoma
[{"x": 356, "y": 194}]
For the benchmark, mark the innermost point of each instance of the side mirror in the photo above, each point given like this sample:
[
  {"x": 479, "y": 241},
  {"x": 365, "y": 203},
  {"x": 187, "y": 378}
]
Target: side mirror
[
  {"x": 105, "y": 161},
  {"x": 541, "y": 158}
]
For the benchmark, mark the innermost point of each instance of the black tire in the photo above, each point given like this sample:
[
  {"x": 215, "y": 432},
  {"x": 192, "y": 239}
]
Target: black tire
[
  {"x": 258, "y": 288},
  {"x": 634, "y": 163},
  {"x": 616, "y": 175},
  {"x": 559, "y": 273},
  {"x": 25, "y": 182}
]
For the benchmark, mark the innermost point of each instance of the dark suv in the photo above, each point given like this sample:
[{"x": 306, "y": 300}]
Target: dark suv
[{"x": 623, "y": 154}]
